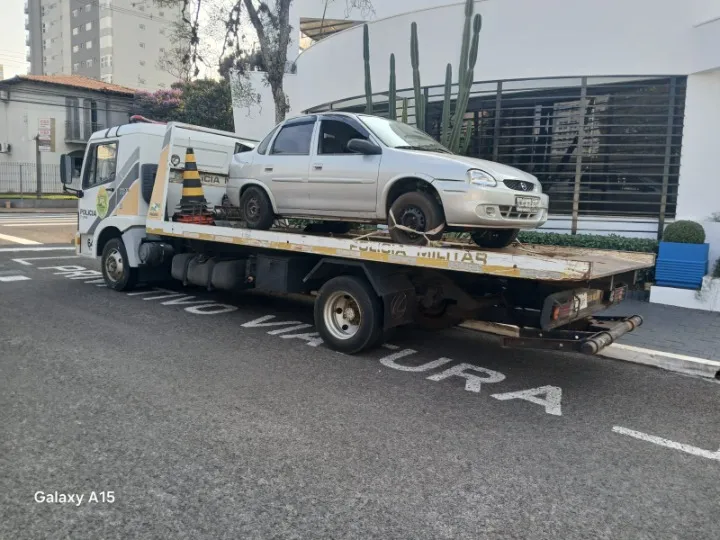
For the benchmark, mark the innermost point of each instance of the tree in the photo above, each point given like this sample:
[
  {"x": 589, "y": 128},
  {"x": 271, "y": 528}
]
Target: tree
[
  {"x": 271, "y": 25},
  {"x": 203, "y": 102}
]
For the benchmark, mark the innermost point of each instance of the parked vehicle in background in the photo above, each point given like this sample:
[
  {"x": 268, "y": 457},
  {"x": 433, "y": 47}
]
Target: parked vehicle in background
[{"x": 360, "y": 168}]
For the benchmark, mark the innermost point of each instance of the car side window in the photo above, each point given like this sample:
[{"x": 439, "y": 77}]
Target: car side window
[
  {"x": 263, "y": 146},
  {"x": 294, "y": 140},
  {"x": 101, "y": 166},
  {"x": 334, "y": 136}
]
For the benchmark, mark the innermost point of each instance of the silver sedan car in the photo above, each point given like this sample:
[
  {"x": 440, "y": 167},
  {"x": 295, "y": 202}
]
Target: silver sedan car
[{"x": 345, "y": 168}]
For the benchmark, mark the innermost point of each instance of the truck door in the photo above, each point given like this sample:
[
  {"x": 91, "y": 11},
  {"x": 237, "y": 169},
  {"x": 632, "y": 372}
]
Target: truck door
[
  {"x": 341, "y": 180},
  {"x": 99, "y": 179}
]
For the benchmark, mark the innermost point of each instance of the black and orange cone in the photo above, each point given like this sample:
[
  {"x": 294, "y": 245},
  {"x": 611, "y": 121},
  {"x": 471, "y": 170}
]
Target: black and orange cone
[{"x": 193, "y": 199}]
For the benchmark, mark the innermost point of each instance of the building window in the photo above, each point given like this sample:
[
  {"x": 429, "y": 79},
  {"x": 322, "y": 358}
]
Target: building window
[
  {"x": 89, "y": 62},
  {"x": 75, "y": 48},
  {"x": 106, "y": 61},
  {"x": 88, "y": 44},
  {"x": 75, "y": 31},
  {"x": 88, "y": 7},
  {"x": 75, "y": 12},
  {"x": 142, "y": 45},
  {"x": 76, "y": 66},
  {"x": 105, "y": 42},
  {"x": 88, "y": 26},
  {"x": 142, "y": 27},
  {"x": 105, "y": 22}
]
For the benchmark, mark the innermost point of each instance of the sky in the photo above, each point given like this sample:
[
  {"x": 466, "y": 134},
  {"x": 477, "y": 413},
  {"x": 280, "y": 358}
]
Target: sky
[{"x": 12, "y": 38}]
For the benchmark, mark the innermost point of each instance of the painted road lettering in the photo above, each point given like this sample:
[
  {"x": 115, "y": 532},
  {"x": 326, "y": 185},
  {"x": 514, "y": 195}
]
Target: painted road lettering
[
  {"x": 552, "y": 401},
  {"x": 391, "y": 362},
  {"x": 468, "y": 372}
]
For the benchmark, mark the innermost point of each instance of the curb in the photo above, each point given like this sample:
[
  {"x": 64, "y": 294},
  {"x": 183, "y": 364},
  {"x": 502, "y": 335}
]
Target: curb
[{"x": 680, "y": 363}]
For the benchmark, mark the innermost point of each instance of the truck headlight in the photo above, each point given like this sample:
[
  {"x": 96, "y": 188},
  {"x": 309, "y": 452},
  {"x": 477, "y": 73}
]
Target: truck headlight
[{"x": 481, "y": 178}]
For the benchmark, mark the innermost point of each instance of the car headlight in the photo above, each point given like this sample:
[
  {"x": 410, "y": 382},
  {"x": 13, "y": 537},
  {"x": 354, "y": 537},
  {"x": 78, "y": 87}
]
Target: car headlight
[{"x": 481, "y": 178}]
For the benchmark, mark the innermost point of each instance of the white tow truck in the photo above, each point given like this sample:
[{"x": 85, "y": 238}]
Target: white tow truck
[{"x": 131, "y": 183}]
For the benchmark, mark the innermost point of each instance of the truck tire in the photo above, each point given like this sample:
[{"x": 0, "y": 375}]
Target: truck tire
[
  {"x": 348, "y": 315},
  {"x": 417, "y": 210},
  {"x": 116, "y": 270},
  {"x": 494, "y": 238},
  {"x": 256, "y": 208}
]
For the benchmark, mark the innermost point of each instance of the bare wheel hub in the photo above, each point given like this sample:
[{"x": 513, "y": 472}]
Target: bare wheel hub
[{"x": 343, "y": 316}]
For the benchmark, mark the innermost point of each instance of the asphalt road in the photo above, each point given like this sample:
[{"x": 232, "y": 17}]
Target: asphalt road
[{"x": 204, "y": 426}]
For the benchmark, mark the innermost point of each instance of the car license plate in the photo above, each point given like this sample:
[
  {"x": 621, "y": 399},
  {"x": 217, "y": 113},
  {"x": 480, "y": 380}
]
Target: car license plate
[{"x": 527, "y": 203}]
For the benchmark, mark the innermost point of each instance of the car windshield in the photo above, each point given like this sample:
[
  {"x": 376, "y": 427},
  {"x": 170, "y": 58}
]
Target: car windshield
[{"x": 403, "y": 136}]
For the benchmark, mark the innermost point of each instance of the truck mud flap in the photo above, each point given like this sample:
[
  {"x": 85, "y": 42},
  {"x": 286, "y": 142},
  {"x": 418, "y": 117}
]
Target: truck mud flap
[{"x": 600, "y": 332}]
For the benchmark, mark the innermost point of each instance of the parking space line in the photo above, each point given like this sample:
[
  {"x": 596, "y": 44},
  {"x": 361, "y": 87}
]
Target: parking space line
[
  {"x": 25, "y": 260},
  {"x": 16, "y": 249},
  {"x": 14, "y": 278},
  {"x": 19, "y": 240},
  {"x": 695, "y": 451}
]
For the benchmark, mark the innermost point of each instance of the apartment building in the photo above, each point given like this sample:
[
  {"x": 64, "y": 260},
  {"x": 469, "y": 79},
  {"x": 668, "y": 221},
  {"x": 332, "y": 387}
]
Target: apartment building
[{"x": 116, "y": 41}]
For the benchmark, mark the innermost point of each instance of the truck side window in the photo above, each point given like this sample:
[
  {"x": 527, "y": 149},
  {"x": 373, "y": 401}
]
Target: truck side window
[
  {"x": 294, "y": 140},
  {"x": 334, "y": 136},
  {"x": 101, "y": 165}
]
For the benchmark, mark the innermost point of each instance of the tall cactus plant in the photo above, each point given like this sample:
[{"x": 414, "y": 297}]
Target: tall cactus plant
[
  {"x": 415, "y": 60},
  {"x": 404, "y": 116},
  {"x": 465, "y": 47},
  {"x": 447, "y": 107},
  {"x": 392, "y": 91},
  {"x": 366, "y": 58},
  {"x": 463, "y": 97}
]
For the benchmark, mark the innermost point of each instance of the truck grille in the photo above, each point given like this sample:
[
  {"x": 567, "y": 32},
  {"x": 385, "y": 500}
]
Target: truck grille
[
  {"x": 511, "y": 212},
  {"x": 519, "y": 185}
]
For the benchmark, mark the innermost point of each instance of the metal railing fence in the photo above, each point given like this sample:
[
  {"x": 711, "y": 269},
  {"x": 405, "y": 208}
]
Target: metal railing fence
[{"x": 21, "y": 179}]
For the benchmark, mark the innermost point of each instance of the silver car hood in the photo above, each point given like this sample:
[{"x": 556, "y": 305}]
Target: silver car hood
[{"x": 498, "y": 170}]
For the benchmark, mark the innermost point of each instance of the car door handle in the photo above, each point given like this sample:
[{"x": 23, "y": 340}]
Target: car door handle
[
  {"x": 268, "y": 169},
  {"x": 318, "y": 166}
]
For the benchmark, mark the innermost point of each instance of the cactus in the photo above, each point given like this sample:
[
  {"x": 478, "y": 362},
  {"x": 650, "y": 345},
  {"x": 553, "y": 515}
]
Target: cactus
[
  {"x": 466, "y": 137},
  {"x": 469, "y": 7},
  {"x": 415, "y": 60},
  {"x": 392, "y": 91},
  {"x": 368, "y": 82},
  {"x": 463, "y": 97},
  {"x": 447, "y": 107},
  {"x": 404, "y": 116}
]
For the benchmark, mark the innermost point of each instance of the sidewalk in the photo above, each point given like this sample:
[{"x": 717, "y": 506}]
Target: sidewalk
[{"x": 672, "y": 329}]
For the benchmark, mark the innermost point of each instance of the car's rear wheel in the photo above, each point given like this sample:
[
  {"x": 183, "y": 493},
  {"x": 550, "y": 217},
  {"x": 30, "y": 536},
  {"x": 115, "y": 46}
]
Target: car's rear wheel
[
  {"x": 256, "y": 208},
  {"x": 419, "y": 211},
  {"x": 494, "y": 238}
]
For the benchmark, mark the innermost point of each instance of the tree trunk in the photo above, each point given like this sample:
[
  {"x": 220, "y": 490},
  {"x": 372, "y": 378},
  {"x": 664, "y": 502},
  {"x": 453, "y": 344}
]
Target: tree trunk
[{"x": 280, "y": 99}]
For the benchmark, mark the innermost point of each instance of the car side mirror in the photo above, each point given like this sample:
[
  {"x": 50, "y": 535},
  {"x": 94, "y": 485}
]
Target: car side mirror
[
  {"x": 361, "y": 146},
  {"x": 65, "y": 170}
]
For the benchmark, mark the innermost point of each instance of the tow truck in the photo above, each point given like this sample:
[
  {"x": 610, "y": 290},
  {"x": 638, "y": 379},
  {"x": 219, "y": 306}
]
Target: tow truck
[{"x": 132, "y": 216}]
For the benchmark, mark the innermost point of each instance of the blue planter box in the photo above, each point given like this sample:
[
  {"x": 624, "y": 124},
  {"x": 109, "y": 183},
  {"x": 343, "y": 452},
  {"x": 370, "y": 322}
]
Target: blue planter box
[{"x": 681, "y": 265}]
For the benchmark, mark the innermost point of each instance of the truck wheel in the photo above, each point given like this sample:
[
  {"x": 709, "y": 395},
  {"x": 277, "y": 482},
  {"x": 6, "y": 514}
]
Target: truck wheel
[
  {"x": 416, "y": 210},
  {"x": 116, "y": 270},
  {"x": 348, "y": 315},
  {"x": 494, "y": 238},
  {"x": 256, "y": 208}
]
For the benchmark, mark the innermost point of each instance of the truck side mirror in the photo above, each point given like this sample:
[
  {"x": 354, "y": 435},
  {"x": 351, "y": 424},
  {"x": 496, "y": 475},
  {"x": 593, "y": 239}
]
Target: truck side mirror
[{"x": 65, "y": 169}]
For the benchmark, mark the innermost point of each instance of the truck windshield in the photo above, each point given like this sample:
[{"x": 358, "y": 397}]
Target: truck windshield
[{"x": 399, "y": 135}]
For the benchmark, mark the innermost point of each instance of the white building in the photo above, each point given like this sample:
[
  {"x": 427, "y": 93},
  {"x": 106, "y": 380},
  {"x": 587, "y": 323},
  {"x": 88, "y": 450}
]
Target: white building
[
  {"x": 117, "y": 41},
  {"x": 641, "y": 77},
  {"x": 65, "y": 110}
]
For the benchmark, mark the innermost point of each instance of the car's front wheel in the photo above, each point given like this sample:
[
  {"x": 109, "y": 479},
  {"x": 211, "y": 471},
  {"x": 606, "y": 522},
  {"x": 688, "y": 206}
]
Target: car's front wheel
[
  {"x": 256, "y": 208},
  {"x": 415, "y": 211},
  {"x": 116, "y": 269},
  {"x": 494, "y": 238}
]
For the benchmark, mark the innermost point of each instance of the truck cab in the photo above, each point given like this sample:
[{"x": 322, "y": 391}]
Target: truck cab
[{"x": 118, "y": 174}]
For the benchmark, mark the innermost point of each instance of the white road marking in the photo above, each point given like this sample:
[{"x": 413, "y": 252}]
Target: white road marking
[
  {"x": 16, "y": 249},
  {"x": 390, "y": 346},
  {"x": 390, "y": 361},
  {"x": 50, "y": 224},
  {"x": 13, "y": 278},
  {"x": 19, "y": 240},
  {"x": 474, "y": 383},
  {"x": 552, "y": 401},
  {"x": 695, "y": 451},
  {"x": 26, "y": 259}
]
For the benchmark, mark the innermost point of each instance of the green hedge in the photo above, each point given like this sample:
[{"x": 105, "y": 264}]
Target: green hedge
[{"x": 613, "y": 242}]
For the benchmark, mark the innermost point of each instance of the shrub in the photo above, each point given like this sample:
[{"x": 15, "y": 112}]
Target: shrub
[
  {"x": 613, "y": 242},
  {"x": 684, "y": 232}
]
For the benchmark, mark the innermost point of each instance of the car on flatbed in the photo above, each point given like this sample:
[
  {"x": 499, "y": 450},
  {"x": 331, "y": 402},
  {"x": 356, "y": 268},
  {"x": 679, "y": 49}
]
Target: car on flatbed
[{"x": 362, "y": 168}]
